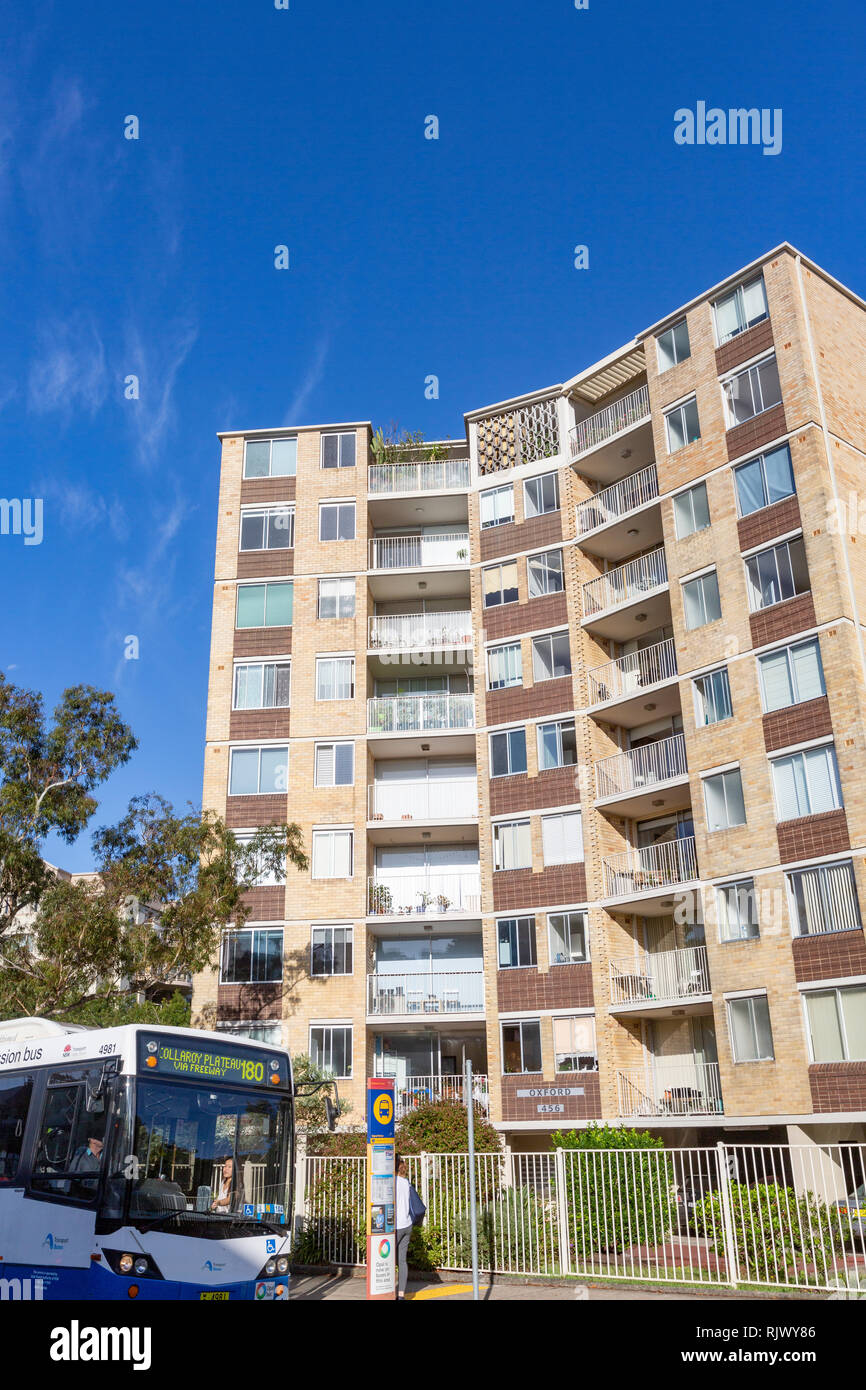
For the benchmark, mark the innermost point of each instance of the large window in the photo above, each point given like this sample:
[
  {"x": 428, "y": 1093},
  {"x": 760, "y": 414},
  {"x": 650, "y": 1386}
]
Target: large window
[
  {"x": 740, "y": 309},
  {"x": 504, "y": 667},
  {"x": 750, "y": 392},
  {"x": 267, "y": 528},
  {"x": 764, "y": 480},
  {"x": 331, "y": 1049},
  {"x": 574, "y": 1047},
  {"x": 336, "y": 521},
  {"x": 673, "y": 346},
  {"x": 271, "y": 458},
  {"x": 262, "y": 685},
  {"x": 507, "y": 752},
  {"x": 562, "y": 838},
  {"x": 791, "y": 675},
  {"x": 252, "y": 956},
  {"x": 332, "y": 854},
  {"x": 807, "y": 783},
  {"x": 540, "y": 495},
  {"x": 737, "y": 907},
  {"x": 70, "y": 1139},
  {"x": 557, "y": 744},
  {"x": 723, "y": 795},
  {"x": 701, "y": 600},
  {"x": 15, "y": 1093},
  {"x": 544, "y": 573},
  {"x": 265, "y": 877},
  {"x": 335, "y": 677},
  {"x": 516, "y": 937},
  {"x": 682, "y": 425},
  {"x": 568, "y": 938},
  {"x": 497, "y": 506},
  {"x": 338, "y": 450},
  {"x": 331, "y": 950},
  {"x": 712, "y": 697},
  {"x": 836, "y": 1020},
  {"x": 260, "y": 771},
  {"x": 264, "y": 605},
  {"x": 499, "y": 583},
  {"x": 551, "y": 656},
  {"x": 777, "y": 574},
  {"x": 521, "y": 1046},
  {"x": 335, "y": 764},
  {"x": 824, "y": 899},
  {"x": 512, "y": 845},
  {"x": 749, "y": 1027},
  {"x": 336, "y": 598},
  {"x": 691, "y": 511}
]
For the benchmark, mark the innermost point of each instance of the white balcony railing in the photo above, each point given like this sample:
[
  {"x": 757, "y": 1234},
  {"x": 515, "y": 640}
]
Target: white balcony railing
[
  {"x": 419, "y": 552},
  {"x": 445, "y": 799},
  {"x": 633, "y": 672},
  {"x": 626, "y": 583},
  {"x": 426, "y": 992},
  {"x": 431, "y": 475},
  {"x": 604, "y": 424},
  {"x": 427, "y": 895},
  {"x": 636, "y": 768},
  {"x": 670, "y": 1088},
  {"x": 653, "y": 866},
  {"x": 423, "y": 1090},
  {"x": 617, "y": 500},
  {"x": 660, "y": 976},
  {"x": 406, "y": 714},
  {"x": 408, "y": 631}
]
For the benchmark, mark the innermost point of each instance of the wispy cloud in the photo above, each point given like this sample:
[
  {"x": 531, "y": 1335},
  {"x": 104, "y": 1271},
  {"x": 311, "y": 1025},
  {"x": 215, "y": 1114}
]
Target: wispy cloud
[
  {"x": 80, "y": 508},
  {"x": 314, "y": 374},
  {"x": 156, "y": 364},
  {"x": 68, "y": 370}
]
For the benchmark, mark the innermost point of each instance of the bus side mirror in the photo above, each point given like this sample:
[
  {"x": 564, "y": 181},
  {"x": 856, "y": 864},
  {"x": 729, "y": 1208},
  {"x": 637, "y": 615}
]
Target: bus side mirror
[{"x": 331, "y": 1113}]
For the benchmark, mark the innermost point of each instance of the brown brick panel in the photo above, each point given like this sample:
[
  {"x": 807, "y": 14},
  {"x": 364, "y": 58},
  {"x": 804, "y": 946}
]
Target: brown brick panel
[
  {"x": 521, "y": 535},
  {"x": 521, "y": 702},
  {"x": 509, "y": 618},
  {"x": 837, "y": 1086},
  {"x": 249, "y": 1001},
  {"x": 259, "y": 723},
  {"x": 809, "y": 837},
  {"x": 757, "y": 432},
  {"x": 519, "y": 888},
  {"x": 585, "y": 1107},
  {"x": 266, "y": 904},
  {"x": 265, "y": 563},
  {"x": 257, "y": 810},
  {"x": 784, "y": 619},
  {"x": 557, "y": 786},
  {"x": 797, "y": 723},
  {"x": 830, "y": 956},
  {"x": 267, "y": 490},
  {"x": 744, "y": 346},
  {"x": 563, "y": 987},
  {"x": 768, "y": 523},
  {"x": 263, "y": 641}
]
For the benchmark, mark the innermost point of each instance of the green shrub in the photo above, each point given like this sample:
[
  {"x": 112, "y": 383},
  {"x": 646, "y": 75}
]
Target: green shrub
[
  {"x": 441, "y": 1127},
  {"x": 516, "y": 1232},
  {"x": 615, "y": 1201},
  {"x": 776, "y": 1233},
  {"x": 335, "y": 1224}
]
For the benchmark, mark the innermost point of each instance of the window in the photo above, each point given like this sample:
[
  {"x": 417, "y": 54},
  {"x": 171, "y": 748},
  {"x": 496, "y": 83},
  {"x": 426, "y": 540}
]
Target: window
[
  {"x": 512, "y": 845},
  {"x": 63, "y": 1142},
  {"x": 712, "y": 697},
  {"x": 521, "y": 1046},
  {"x": 740, "y": 309},
  {"x": 15, "y": 1093},
  {"x": 777, "y": 574},
  {"x": 267, "y": 528},
  {"x": 335, "y": 677},
  {"x": 673, "y": 346},
  {"x": 540, "y": 495},
  {"x": 764, "y": 480},
  {"x": 568, "y": 940},
  {"x": 824, "y": 899},
  {"x": 497, "y": 506},
  {"x": 562, "y": 838},
  {"x": 264, "y": 605},
  {"x": 574, "y": 1046},
  {"x": 336, "y": 521},
  {"x": 805, "y": 784},
  {"x": 504, "y": 666},
  {"x": 338, "y": 450},
  {"x": 836, "y": 1020},
  {"x": 516, "y": 937},
  {"x": 271, "y": 458},
  {"x": 331, "y": 951},
  {"x": 545, "y": 573},
  {"x": 749, "y": 1027},
  {"x": 737, "y": 907},
  {"x": 682, "y": 425},
  {"x": 507, "y": 752},
  {"x": 332, "y": 854},
  {"x": 252, "y": 956},
  {"x": 691, "y": 511},
  {"x": 557, "y": 744},
  {"x": 701, "y": 600},
  {"x": 259, "y": 771},
  {"x": 723, "y": 797},
  {"x": 262, "y": 685},
  {"x": 256, "y": 1032},
  {"x": 265, "y": 878},
  {"x": 335, "y": 764},
  {"x": 551, "y": 656},
  {"x": 499, "y": 583},
  {"x": 331, "y": 1049},
  {"x": 791, "y": 675},
  {"x": 336, "y": 598},
  {"x": 750, "y": 392}
]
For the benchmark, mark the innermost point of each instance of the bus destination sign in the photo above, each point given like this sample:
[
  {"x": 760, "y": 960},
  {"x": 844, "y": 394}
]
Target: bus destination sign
[{"x": 163, "y": 1056}]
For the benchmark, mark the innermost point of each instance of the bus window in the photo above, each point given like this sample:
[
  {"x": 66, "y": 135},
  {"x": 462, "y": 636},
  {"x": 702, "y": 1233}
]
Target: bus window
[
  {"x": 15, "y": 1093},
  {"x": 71, "y": 1138}
]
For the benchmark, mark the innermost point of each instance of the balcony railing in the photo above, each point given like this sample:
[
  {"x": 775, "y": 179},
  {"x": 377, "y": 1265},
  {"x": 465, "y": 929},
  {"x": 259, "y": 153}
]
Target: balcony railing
[
  {"x": 416, "y": 552},
  {"x": 427, "y": 895},
  {"x": 626, "y": 583},
  {"x": 636, "y": 768},
  {"x": 633, "y": 672},
  {"x": 444, "y": 799},
  {"x": 660, "y": 976},
  {"x": 406, "y": 714},
  {"x": 431, "y": 475},
  {"x": 653, "y": 866},
  {"x": 426, "y": 992},
  {"x": 408, "y": 631},
  {"x": 422, "y": 1090},
  {"x": 604, "y": 424},
  {"x": 685, "y": 1088},
  {"x": 617, "y": 500}
]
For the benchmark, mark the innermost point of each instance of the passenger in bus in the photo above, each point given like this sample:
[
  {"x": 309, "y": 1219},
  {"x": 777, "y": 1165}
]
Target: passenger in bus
[
  {"x": 88, "y": 1159},
  {"x": 226, "y": 1198}
]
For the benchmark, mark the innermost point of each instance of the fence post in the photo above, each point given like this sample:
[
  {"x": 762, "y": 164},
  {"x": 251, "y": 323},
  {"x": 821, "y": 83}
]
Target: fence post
[
  {"x": 559, "y": 1160},
  {"x": 507, "y": 1166},
  {"x": 425, "y": 1179},
  {"x": 300, "y": 1202},
  {"x": 731, "y": 1259}
]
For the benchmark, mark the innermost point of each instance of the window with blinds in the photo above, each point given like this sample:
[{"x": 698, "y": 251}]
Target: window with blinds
[
  {"x": 836, "y": 1020},
  {"x": 562, "y": 838},
  {"x": 749, "y": 1027},
  {"x": 723, "y": 796},
  {"x": 791, "y": 675},
  {"x": 738, "y": 911},
  {"x": 807, "y": 783},
  {"x": 512, "y": 845},
  {"x": 824, "y": 899},
  {"x": 504, "y": 666},
  {"x": 332, "y": 854},
  {"x": 574, "y": 1046},
  {"x": 262, "y": 685},
  {"x": 335, "y": 764}
]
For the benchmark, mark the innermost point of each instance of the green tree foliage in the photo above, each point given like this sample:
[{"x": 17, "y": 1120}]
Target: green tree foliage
[
  {"x": 441, "y": 1127},
  {"x": 778, "y": 1235},
  {"x": 615, "y": 1200}
]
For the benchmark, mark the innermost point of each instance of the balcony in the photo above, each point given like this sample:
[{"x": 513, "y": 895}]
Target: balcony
[
  {"x": 419, "y": 551},
  {"x": 455, "y": 894},
  {"x": 654, "y": 981},
  {"x": 670, "y": 1089},
  {"x": 608, "y": 521},
  {"x": 626, "y": 682},
  {"x": 432, "y": 475},
  {"x": 646, "y": 875},
  {"x": 437, "y": 800},
  {"x": 608, "y": 601},
  {"x": 408, "y": 714},
  {"x": 424, "y": 1090},
  {"x": 426, "y": 994},
  {"x": 597, "y": 440},
  {"x": 629, "y": 779},
  {"x": 420, "y": 631}
]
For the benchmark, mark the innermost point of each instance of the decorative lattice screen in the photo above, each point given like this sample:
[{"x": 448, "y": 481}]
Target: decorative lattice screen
[{"x": 521, "y": 436}]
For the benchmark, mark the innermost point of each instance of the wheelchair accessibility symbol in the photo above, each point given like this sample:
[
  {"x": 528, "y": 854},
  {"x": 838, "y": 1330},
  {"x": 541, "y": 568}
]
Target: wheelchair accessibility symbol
[{"x": 383, "y": 1108}]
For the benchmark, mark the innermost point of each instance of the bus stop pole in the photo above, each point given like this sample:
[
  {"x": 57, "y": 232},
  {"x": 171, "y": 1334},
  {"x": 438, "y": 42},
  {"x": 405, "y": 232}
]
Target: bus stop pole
[{"x": 473, "y": 1205}]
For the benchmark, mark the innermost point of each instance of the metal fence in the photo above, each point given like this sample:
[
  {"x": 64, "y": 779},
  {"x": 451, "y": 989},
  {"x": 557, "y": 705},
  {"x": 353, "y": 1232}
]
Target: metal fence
[{"x": 761, "y": 1216}]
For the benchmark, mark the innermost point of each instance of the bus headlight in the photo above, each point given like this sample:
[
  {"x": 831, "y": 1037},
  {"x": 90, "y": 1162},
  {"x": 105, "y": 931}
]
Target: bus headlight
[
  {"x": 283, "y": 1264},
  {"x": 122, "y": 1262},
  {"x": 271, "y": 1267},
  {"x": 125, "y": 1263},
  {"x": 142, "y": 1265}
]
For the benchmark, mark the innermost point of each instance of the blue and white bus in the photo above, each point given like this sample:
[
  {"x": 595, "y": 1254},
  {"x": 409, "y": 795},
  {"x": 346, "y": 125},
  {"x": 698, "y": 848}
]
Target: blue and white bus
[{"x": 143, "y": 1163}]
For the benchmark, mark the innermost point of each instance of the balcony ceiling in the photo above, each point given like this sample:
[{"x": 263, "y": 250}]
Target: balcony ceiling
[
  {"x": 621, "y": 624},
  {"x": 411, "y": 928},
  {"x": 613, "y": 376},
  {"x": 409, "y": 745},
  {"x": 666, "y": 1008},
  {"x": 638, "y": 530},
  {"x": 624, "y": 453},
  {"x": 656, "y": 902},
  {"x": 630, "y": 711},
  {"x": 423, "y": 832},
  {"x": 386, "y": 585},
  {"x": 406, "y": 661},
  {"x": 418, "y": 508},
  {"x": 643, "y": 802}
]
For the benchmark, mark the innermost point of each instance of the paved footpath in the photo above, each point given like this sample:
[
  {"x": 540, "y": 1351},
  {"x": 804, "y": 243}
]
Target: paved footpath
[{"x": 316, "y": 1287}]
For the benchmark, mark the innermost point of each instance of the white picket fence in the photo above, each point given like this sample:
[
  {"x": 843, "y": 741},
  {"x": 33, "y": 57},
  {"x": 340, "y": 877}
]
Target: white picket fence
[{"x": 763, "y": 1216}]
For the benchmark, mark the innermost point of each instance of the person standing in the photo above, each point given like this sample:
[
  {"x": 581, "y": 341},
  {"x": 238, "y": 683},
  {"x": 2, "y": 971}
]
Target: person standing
[{"x": 403, "y": 1224}]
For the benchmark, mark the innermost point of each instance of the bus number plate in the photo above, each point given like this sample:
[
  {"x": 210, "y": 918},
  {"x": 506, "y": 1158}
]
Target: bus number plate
[{"x": 215, "y": 1294}]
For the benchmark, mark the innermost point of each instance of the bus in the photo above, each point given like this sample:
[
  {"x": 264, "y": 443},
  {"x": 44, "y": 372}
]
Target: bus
[{"x": 143, "y": 1162}]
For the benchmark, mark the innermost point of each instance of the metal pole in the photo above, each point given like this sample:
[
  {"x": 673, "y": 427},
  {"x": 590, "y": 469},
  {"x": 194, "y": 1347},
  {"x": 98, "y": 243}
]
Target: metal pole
[{"x": 473, "y": 1207}]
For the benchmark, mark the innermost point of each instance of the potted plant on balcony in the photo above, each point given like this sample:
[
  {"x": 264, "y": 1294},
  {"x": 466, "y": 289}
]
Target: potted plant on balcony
[
  {"x": 426, "y": 900},
  {"x": 381, "y": 900},
  {"x": 442, "y": 902}
]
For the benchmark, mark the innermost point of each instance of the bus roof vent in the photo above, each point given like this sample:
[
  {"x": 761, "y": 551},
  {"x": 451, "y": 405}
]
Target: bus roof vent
[{"x": 20, "y": 1029}]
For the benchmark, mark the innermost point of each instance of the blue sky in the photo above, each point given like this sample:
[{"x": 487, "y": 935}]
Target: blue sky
[{"x": 305, "y": 127}]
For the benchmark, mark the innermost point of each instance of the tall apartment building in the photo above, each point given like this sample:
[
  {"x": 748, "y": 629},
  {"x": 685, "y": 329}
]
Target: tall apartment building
[{"x": 573, "y": 719}]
